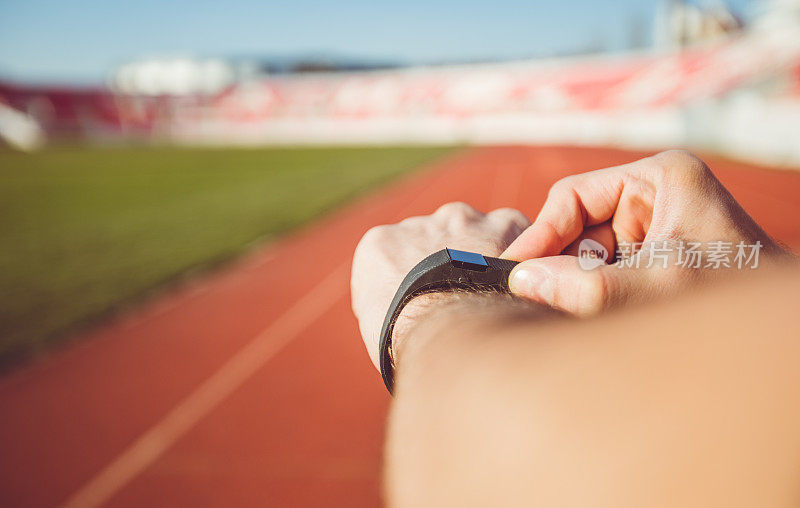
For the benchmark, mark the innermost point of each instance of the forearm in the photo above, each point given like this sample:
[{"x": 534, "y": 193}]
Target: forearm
[
  {"x": 633, "y": 409},
  {"x": 457, "y": 321},
  {"x": 446, "y": 372}
]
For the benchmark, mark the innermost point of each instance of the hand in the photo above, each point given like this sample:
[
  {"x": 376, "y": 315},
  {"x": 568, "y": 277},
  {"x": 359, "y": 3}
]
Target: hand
[
  {"x": 386, "y": 254},
  {"x": 672, "y": 197}
]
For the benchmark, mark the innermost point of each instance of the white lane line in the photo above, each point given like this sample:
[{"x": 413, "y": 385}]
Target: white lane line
[{"x": 233, "y": 373}]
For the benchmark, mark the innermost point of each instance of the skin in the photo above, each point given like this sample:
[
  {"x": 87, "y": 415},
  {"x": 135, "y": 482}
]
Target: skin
[
  {"x": 670, "y": 197},
  {"x": 641, "y": 408},
  {"x": 501, "y": 403},
  {"x": 387, "y": 253}
]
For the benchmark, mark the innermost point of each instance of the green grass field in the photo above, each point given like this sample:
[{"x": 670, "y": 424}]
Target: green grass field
[{"x": 85, "y": 231}]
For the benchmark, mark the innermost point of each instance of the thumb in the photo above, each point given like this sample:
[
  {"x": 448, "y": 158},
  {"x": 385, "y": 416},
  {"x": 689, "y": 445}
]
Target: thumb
[{"x": 560, "y": 282}]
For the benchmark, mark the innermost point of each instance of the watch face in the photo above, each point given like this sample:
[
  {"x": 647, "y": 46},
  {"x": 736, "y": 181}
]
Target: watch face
[{"x": 467, "y": 260}]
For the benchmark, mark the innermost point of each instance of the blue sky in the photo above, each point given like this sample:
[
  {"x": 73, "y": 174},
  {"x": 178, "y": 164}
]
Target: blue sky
[{"x": 78, "y": 41}]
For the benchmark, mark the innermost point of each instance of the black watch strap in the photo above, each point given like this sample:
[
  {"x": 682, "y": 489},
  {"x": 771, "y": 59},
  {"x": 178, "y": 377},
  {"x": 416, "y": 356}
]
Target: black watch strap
[{"x": 445, "y": 270}]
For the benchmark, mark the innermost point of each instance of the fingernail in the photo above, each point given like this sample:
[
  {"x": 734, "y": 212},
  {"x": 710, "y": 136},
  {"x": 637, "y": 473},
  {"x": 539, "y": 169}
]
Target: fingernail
[{"x": 532, "y": 282}]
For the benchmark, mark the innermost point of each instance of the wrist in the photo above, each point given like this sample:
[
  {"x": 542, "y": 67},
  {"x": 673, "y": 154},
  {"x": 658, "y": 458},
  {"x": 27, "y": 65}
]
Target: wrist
[
  {"x": 420, "y": 310},
  {"x": 437, "y": 316},
  {"x": 447, "y": 270}
]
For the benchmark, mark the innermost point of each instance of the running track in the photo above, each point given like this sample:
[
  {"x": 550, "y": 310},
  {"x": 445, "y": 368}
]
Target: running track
[{"x": 251, "y": 388}]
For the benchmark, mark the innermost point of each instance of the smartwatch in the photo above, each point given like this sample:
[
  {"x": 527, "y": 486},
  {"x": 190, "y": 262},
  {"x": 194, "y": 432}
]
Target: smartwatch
[{"x": 443, "y": 271}]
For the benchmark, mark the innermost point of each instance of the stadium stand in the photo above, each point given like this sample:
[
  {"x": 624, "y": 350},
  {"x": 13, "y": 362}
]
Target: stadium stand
[{"x": 711, "y": 94}]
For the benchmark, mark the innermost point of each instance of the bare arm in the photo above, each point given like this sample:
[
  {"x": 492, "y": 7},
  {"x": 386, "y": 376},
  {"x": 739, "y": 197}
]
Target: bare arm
[{"x": 694, "y": 402}]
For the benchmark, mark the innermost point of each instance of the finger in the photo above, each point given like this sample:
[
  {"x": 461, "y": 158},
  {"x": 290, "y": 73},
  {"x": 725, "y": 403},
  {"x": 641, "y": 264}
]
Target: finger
[
  {"x": 635, "y": 211},
  {"x": 572, "y": 204},
  {"x": 602, "y": 234},
  {"x": 560, "y": 282}
]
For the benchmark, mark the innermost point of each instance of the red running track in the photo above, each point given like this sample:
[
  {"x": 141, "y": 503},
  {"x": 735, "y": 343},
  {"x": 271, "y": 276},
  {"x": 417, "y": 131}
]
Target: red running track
[{"x": 251, "y": 387}]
